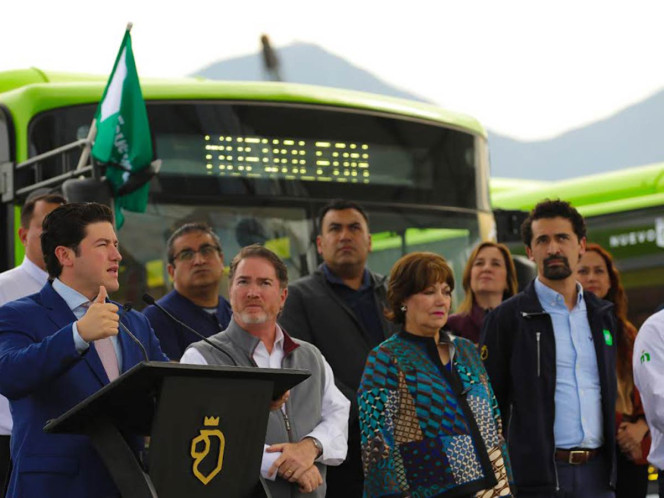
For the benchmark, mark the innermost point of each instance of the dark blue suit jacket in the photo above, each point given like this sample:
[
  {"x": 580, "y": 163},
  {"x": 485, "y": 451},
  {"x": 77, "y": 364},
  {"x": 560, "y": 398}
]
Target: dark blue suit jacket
[
  {"x": 43, "y": 376},
  {"x": 174, "y": 339}
]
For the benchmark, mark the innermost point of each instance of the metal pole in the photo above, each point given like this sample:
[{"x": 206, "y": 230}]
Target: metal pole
[{"x": 85, "y": 153}]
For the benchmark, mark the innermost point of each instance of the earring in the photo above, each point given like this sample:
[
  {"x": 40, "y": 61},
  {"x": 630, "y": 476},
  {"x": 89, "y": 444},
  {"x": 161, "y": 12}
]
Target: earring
[{"x": 404, "y": 308}]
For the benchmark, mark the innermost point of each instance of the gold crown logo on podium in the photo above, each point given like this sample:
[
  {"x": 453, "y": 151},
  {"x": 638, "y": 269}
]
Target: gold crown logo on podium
[
  {"x": 211, "y": 421},
  {"x": 201, "y": 446}
]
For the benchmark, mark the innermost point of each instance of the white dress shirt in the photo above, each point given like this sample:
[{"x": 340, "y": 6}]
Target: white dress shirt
[
  {"x": 648, "y": 365},
  {"x": 332, "y": 431},
  {"x": 24, "y": 280}
]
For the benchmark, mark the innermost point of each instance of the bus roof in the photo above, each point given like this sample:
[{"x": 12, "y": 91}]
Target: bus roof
[
  {"x": 503, "y": 185},
  {"x": 30, "y": 91},
  {"x": 615, "y": 191}
]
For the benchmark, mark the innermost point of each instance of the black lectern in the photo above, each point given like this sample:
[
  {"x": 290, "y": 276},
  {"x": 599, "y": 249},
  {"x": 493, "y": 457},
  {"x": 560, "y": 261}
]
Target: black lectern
[{"x": 207, "y": 428}]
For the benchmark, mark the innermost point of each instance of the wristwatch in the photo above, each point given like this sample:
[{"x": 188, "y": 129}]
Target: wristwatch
[{"x": 317, "y": 444}]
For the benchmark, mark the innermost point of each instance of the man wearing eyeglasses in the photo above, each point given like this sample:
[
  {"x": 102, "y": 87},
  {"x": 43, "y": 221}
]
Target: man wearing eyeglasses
[{"x": 196, "y": 265}]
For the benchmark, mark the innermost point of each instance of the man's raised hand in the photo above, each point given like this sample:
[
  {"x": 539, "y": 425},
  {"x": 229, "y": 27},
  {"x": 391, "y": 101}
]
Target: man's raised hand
[{"x": 100, "y": 320}]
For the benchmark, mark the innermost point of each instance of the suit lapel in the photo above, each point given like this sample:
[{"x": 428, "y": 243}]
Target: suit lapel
[{"x": 58, "y": 311}]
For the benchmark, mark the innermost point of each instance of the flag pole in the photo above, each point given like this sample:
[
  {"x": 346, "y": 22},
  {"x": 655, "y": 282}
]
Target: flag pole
[
  {"x": 85, "y": 153},
  {"x": 92, "y": 134}
]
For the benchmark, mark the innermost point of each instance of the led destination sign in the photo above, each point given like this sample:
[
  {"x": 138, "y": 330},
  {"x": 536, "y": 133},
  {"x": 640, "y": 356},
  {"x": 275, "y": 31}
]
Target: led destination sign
[{"x": 286, "y": 158}]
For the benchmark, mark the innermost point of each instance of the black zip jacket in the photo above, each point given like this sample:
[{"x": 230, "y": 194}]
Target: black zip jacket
[
  {"x": 315, "y": 313},
  {"x": 519, "y": 352}
]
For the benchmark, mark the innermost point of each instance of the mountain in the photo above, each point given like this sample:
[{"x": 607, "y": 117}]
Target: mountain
[
  {"x": 631, "y": 137},
  {"x": 305, "y": 63}
]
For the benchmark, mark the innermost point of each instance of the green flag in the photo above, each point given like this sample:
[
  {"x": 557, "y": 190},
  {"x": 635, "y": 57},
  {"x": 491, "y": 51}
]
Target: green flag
[{"x": 123, "y": 140}]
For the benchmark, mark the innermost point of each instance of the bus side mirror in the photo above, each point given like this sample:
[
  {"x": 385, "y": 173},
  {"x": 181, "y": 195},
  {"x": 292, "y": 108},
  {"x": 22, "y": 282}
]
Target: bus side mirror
[
  {"x": 508, "y": 224},
  {"x": 87, "y": 190}
]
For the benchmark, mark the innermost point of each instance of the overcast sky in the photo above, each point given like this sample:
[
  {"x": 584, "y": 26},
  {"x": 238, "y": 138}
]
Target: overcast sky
[{"x": 527, "y": 69}]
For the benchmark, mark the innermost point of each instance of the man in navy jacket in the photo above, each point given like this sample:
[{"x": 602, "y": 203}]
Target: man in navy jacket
[
  {"x": 196, "y": 265},
  {"x": 550, "y": 355},
  {"x": 59, "y": 346}
]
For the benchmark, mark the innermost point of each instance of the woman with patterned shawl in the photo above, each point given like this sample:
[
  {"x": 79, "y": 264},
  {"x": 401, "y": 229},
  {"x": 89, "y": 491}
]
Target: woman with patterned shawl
[{"x": 429, "y": 420}]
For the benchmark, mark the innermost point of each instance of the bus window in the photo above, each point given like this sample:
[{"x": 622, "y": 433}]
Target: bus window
[
  {"x": 286, "y": 231},
  {"x": 289, "y": 232},
  {"x": 291, "y": 151}
]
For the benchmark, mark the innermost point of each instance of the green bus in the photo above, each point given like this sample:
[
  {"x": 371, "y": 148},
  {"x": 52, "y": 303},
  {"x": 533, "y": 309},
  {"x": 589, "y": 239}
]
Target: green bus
[
  {"x": 624, "y": 212},
  {"x": 257, "y": 161}
]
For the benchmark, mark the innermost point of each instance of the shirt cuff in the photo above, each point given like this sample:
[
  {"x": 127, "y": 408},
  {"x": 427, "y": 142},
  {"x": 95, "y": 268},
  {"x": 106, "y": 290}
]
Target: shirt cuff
[
  {"x": 322, "y": 439},
  {"x": 268, "y": 460},
  {"x": 80, "y": 345}
]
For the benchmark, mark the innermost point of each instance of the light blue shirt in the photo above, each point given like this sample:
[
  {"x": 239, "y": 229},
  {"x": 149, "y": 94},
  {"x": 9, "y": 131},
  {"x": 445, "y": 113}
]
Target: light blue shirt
[
  {"x": 76, "y": 302},
  {"x": 578, "y": 398}
]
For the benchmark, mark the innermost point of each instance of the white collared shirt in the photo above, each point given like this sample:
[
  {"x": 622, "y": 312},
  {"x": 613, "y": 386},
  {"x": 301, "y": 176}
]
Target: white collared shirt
[
  {"x": 22, "y": 281},
  {"x": 648, "y": 365},
  {"x": 332, "y": 431},
  {"x": 25, "y": 279}
]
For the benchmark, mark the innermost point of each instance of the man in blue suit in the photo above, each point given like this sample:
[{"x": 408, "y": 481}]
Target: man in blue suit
[{"x": 59, "y": 346}]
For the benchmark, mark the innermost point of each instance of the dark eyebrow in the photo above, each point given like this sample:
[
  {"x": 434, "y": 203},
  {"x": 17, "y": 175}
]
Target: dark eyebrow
[{"x": 339, "y": 224}]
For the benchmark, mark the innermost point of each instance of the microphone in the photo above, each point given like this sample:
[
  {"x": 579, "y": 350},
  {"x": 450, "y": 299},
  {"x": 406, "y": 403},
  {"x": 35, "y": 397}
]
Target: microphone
[
  {"x": 147, "y": 298},
  {"x": 125, "y": 309}
]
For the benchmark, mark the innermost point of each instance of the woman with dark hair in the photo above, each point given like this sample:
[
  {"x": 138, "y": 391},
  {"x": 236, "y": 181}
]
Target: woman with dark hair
[
  {"x": 429, "y": 420},
  {"x": 488, "y": 279},
  {"x": 598, "y": 274}
]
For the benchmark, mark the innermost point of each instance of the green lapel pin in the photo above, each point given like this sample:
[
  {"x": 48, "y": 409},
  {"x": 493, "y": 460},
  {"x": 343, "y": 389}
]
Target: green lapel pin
[{"x": 608, "y": 338}]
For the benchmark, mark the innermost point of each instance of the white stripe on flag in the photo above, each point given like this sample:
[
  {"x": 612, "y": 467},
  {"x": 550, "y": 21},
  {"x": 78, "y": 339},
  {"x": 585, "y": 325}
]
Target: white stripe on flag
[{"x": 111, "y": 104}]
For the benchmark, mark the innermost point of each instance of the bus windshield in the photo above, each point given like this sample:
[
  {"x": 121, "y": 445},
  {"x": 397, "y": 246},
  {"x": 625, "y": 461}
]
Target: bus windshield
[{"x": 294, "y": 150}]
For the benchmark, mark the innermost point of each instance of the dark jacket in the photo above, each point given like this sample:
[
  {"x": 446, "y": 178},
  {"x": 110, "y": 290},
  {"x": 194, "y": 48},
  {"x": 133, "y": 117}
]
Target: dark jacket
[
  {"x": 519, "y": 351},
  {"x": 174, "y": 338},
  {"x": 316, "y": 314}
]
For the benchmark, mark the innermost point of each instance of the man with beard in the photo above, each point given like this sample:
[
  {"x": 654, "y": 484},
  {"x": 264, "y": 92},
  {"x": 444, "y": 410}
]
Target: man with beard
[
  {"x": 308, "y": 433},
  {"x": 196, "y": 265},
  {"x": 339, "y": 309},
  {"x": 550, "y": 355}
]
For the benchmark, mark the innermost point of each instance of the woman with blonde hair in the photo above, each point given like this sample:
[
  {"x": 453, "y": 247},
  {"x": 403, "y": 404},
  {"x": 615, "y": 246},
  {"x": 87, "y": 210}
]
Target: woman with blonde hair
[
  {"x": 599, "y": 275},
  {"x": 488, "y": 279},
  {"x": 429, "y": 421}
]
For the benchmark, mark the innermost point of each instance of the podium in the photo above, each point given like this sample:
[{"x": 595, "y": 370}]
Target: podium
[{"x": 206, "y": 425}]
